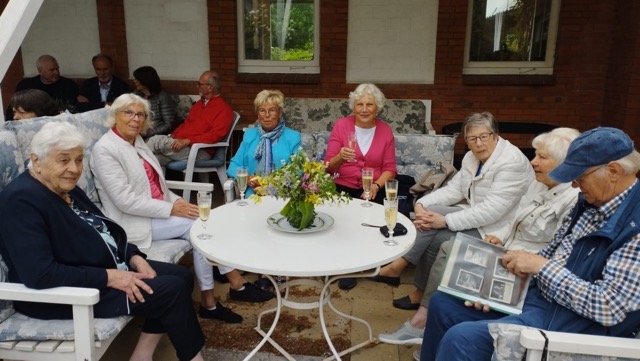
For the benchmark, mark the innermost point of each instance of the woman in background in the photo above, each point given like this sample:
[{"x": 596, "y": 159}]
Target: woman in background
[
  {"x": 32, "y": 103},
  {"x": 163, "y": 106}
]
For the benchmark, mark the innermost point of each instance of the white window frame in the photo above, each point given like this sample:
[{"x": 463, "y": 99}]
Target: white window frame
[
  {"x": 278, "y": 66},
  {"x": 514, "y": 67}
]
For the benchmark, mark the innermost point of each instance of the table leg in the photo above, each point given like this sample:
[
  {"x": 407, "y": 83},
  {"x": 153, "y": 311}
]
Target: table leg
[
  {"x": 336, "y": 354},
  {"x": 267, "y": 336}
]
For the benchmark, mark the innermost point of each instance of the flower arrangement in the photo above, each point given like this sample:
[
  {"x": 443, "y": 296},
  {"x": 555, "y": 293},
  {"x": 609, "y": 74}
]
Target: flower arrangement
[{"x": 305, "y": 183}]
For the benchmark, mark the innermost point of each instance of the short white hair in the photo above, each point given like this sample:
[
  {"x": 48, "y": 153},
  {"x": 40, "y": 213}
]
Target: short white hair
[
  {"x": 556, "y": 142},
  {"x": 55, "y": 136},
  {"x": 126, "y": 100},
  {"x": 367, "y": 89}
]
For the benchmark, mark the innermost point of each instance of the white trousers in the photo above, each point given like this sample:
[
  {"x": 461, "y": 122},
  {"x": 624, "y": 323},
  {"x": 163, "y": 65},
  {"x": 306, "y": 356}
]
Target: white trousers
[{"x": 179, "y": 227}]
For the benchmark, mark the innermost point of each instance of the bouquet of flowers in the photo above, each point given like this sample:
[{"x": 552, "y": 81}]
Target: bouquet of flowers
[{"x": 305, "y": 184}]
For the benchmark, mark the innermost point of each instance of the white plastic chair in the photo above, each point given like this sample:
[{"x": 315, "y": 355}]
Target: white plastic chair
[
  {"x": 578, "y": 344},
  {"x": 216, "y": 164}
]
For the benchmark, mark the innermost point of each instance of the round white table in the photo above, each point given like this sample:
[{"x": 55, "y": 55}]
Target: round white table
[{"x": 243, "y": 239}]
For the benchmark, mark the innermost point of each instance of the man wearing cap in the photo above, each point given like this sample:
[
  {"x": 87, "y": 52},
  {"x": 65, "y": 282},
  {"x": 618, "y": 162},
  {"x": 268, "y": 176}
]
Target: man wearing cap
[{"x": 587, "y": 280}]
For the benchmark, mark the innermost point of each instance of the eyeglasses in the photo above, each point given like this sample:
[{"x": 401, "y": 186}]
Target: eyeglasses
[
  {"x": 270, "y": 111},
  {"x": 579, "y": 180},
  {"x": 130, "y": 114},
  {"x": 198, "y": 84},
  {"x": 483, "y": 138}
]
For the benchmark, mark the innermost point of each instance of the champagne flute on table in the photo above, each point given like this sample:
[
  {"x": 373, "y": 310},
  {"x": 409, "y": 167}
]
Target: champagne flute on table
[
  {"x": 367, "y": 181},
  {"x": 204, "y": 207},
  {"x": 391, "y": 189},
  {"x": 242, "y": 173},
  {"x": 351, "y": 143},
  {"x": 391, "y": 218}
]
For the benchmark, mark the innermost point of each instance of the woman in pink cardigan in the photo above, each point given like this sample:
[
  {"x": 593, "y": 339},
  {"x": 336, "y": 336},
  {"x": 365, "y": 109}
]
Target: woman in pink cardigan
[{"x": 375, "y": 148}]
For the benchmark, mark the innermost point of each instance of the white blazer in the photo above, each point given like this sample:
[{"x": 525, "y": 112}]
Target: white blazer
[{"x": 123, "y": 186}]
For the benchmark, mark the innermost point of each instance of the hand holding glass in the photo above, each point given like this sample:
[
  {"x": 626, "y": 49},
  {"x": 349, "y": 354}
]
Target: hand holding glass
[
  {"x": 242, "y": 173},
  {"x": 351, "y": 143},
  {"x": 391, "y": 218},
  {"x": 391, "y": 187},
  {"x": 367, "y": 181},
  {"x": 204, "y": 207}
]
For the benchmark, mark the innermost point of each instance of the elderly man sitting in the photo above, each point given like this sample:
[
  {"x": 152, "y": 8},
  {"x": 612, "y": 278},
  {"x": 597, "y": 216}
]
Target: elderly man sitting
[{"x": 587, "y": 280}]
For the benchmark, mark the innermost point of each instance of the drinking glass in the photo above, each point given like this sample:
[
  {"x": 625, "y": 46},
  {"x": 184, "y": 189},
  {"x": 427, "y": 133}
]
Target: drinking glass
[
  {"x": 351, "y": 143},
  {"x": 242, "y": 173},
  {"x": 391, "y": 217},
  {"x": 391, "y": 188},
  {"x": 204, "y": 207},
  {"x": 367, "y": 181}
]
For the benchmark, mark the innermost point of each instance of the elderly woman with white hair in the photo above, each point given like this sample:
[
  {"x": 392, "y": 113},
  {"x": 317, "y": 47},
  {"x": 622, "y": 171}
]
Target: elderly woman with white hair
[
  {"x": 539, "y": 215},
  {"x": 134, "y": 193},
  {"x": 374, "y": 147},
  {"x": 52, "y": 235}
]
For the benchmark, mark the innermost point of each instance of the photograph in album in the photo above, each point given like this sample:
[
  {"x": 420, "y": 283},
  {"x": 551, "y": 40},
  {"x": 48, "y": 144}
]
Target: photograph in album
[{"x": 474, "y": 272}]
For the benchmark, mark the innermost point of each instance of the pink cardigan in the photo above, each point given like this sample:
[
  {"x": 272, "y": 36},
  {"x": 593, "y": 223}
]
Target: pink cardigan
[{"x": 381, "y": 155}]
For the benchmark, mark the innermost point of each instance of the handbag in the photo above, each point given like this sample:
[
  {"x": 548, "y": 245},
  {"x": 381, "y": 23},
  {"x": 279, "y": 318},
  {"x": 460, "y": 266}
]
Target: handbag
[
  {"x": 433, "y": 179},
  {"x": 398, "y": 230}
]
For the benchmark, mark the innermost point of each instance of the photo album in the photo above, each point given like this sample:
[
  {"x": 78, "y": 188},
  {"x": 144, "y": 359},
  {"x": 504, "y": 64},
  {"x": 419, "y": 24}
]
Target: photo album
[{"x": 474, "y": 272}]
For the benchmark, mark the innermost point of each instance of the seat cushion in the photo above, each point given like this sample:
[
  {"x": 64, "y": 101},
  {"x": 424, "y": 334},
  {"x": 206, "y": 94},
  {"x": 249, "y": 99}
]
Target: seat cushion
[
  {"x": 169, "y": 250},
  {"x": 20, "y": 327},
  {"x": 11, "y": 160},
  {"x": 416, "y": 153}
]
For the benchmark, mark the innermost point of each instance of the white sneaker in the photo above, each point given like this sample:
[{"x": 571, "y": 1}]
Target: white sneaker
[
  {"x": 404, "y": 335},
  {"x": 416, "y": 355}
]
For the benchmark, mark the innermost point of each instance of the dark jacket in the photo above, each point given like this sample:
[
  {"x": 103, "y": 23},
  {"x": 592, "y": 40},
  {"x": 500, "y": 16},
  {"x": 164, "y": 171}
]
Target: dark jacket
[
  {"x": 64, "y": 92},
  {"x": 163, "y": 113},
  {"x": 45, "y": 244},
  {"x": 91, "y": 90},
  {"x": 587, "y": 261}
]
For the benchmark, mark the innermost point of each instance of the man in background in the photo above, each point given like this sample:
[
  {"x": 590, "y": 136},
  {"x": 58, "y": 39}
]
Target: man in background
[
  {"x": 102, "y": 89},
  {"x": 64, "y": 91}
]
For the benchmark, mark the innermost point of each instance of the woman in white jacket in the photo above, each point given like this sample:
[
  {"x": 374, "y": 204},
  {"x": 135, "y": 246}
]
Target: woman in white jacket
[
  {"x": 134, "y": 193},
  {"x": 480, "y": 199}
]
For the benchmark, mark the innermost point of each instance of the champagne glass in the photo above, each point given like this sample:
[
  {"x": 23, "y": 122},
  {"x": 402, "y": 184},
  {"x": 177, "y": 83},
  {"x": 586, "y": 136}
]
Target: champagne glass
[
  {"x": 351, "y": 143},
  {"x": 391, "y": 218},
  {"x": 367, "y": 181},
  {"x": 204, "y": 207},
  {"x": 391, "y": 188},
  {"x": 242, "y": 173}
]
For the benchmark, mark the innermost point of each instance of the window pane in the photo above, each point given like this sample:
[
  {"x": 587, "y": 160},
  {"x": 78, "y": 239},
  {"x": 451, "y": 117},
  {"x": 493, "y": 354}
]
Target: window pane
[
  {"x": 279, "y": 30},
  {"x": 509, "y": 30}
]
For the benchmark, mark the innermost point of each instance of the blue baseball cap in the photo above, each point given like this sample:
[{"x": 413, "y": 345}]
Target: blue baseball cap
[{"x": 592, "y": 148}]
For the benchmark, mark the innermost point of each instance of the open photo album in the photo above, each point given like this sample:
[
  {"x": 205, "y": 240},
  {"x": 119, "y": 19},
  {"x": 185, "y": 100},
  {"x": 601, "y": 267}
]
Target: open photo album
[{"x": 474, "y": 272}]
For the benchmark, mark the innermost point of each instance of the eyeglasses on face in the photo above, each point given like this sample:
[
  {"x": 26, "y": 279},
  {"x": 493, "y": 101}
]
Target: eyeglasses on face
[
  {"x": 580, "y": 179},
  {"x": 483, "y": 138},
  {"x": 198, "y": 84},
  {"x": 130, "y": 114},
  {"x": 270, "y": 111}
]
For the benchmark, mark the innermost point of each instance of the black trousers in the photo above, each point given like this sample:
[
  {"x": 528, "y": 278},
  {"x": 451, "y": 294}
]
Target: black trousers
[{"x": 170, "y": 309}]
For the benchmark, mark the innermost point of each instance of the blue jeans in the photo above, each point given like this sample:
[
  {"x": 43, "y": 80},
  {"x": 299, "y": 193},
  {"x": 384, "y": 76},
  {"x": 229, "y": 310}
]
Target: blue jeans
[{"x": 457, "y": 332}]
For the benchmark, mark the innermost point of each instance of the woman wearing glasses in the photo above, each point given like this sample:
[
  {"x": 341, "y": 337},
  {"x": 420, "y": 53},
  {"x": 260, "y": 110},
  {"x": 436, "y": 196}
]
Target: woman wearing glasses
[
  {"x": 134, "y": 193},
  {"x": 268, "y": 144},
  {"x": 479, "y": 200}
]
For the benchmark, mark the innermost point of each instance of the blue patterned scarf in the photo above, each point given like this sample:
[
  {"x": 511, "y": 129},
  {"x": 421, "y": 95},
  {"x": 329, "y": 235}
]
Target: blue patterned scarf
[{"x": 263, "y": 150}]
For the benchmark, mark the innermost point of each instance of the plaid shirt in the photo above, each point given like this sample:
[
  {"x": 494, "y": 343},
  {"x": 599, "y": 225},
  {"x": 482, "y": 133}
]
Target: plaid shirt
[{"x": 606, "y": 301}]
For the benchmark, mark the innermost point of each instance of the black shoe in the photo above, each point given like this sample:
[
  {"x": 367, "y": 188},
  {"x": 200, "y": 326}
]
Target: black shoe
[
  {"x": 220, "y": 313},
  {"x": 391, "y": 281},
  {"x": 347, "y": 283},
  {"x": 251, "y": 293},
  {"x": 218, "y": 276},
  {"x": 405, "y": 303}
]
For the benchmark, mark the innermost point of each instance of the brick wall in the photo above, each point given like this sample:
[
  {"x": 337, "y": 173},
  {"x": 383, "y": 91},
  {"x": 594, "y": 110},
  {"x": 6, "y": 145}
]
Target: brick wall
[{"x": 595, "y": 81}]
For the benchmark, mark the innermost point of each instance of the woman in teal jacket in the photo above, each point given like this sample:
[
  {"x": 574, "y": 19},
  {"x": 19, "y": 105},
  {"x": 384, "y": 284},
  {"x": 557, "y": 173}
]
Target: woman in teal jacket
[{"x": 268, "y": 144}]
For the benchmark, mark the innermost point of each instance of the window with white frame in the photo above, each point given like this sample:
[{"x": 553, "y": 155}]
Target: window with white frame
[
  {"x": 516, "y": 37},
  {"x": 278, "y": 36}
]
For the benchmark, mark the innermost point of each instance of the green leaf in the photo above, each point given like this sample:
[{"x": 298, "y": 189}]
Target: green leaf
[{"x": 306, "y": 209}]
